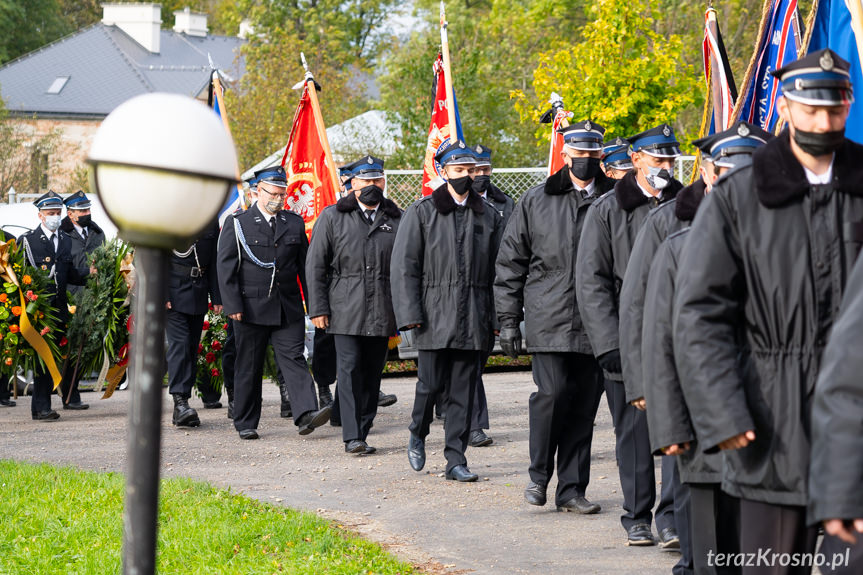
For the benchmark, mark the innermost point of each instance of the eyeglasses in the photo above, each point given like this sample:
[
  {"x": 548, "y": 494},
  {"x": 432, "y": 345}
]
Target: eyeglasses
[{"x": 283, "y": 195}]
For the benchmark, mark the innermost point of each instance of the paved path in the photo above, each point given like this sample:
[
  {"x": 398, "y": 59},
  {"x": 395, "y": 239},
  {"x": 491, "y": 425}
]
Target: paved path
[{"x": 441, "y": 526}]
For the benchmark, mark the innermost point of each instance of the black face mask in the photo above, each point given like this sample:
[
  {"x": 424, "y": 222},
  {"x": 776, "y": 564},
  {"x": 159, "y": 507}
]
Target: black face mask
[
  {"x": 461, "y": 185},
  {"x": 819, "y": 144},
  {"x": 84, "y": 221},
  {"x": 481, "y": 184},
  {"x": 584, "y": 169},
  {"x": 371, "y": 195}
]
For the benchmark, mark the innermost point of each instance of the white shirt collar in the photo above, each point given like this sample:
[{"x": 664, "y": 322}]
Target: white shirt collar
[
  {"x": 78, "y": 228},
  {"x": 267, "y": 215},
  {"x": 461, "y": 202},
  {"x": 48, "y": 232},
  {"x": 364, "y": 207},
  {"x": 824, "y": 178},
  {"x": 589, "y": 188},
  {"x": 646, "y": 193}
]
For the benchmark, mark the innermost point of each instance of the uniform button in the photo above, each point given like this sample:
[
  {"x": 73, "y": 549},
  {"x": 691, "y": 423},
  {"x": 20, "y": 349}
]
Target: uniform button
[
  {"x": 276, "y": 245},
  {"x": 820, "y": 265}
]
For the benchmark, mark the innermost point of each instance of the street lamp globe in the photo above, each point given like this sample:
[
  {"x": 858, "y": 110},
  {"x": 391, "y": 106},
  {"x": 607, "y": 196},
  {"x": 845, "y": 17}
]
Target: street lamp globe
[{"x": 162, "y": 165}]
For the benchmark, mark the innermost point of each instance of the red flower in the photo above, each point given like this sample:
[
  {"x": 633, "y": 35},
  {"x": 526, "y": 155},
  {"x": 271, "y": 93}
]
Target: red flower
[
  {"x": 9, "y": 361},
  {"x": 210, "y": 357},
  {"x": 225, "y": 325},
  {"x": 214, "y": 372},
  {"x": 217, "y": 345},
  {"x": 63, "y": 341},
  {"x": 130, "y": 323},
  {"x": 14, "y": 328},
  {"x": 200, "y": 348},
  {"x": 210, "y": 306},
  {"x": 206, "y": 326},
  {"x": 45, "y": 330},
  {"x": 31, "y": 296}
]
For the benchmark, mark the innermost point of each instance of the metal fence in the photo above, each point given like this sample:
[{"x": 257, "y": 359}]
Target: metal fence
[{"x": 404, "y": 186}]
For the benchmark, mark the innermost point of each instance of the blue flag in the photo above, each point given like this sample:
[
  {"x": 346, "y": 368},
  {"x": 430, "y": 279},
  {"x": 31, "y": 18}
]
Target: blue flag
[
  {"x": 778, "y": 45},
  {"x": 832, "y": 29}
]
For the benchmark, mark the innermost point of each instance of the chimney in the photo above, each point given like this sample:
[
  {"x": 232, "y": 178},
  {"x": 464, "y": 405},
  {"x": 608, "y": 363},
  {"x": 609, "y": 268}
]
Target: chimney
[
  {"x": 140, "y": 21},
  {"x": 190, "y": 23}
]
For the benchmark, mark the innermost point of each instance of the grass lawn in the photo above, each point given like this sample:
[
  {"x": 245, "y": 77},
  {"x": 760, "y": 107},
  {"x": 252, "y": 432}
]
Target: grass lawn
[{"x": 61, "y": 520}]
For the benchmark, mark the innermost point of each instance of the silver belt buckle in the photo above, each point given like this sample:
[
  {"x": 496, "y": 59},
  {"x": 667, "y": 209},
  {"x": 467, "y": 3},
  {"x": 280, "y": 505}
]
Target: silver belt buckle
[{"x": 196, "y": 272}]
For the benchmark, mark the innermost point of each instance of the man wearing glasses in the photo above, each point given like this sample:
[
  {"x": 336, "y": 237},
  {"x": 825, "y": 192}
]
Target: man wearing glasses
[{"x": 261, "y": 268}]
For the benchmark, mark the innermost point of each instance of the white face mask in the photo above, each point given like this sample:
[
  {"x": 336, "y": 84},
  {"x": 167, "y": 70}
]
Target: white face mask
[
  {"x": 658, "y": 178},
  {"x": 52, "y": 223}
]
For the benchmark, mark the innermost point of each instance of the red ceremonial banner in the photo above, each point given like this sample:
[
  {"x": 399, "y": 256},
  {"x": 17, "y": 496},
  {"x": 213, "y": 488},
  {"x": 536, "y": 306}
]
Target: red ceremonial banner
[
  {"x": 311, "y": 173},
  {"x": 439, "y": 131},
  {"x": 555, "y": 161}
]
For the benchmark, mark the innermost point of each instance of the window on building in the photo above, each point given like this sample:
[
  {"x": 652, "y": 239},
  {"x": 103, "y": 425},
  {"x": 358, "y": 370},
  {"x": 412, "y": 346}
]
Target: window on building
[{"x": 57, "y": 85}]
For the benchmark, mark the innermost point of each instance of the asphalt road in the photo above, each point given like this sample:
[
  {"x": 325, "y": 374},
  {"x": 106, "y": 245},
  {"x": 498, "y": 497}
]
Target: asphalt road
[{"x": 441, "y": 526}]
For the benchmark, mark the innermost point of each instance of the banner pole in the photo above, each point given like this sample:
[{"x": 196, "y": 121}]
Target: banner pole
[
  {"x": 447, "y": 75},
  {"x": 319, "y": 123}
]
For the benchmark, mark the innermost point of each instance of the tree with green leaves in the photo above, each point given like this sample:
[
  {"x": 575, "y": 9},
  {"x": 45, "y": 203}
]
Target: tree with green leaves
[{"x": 622, "y": 74}]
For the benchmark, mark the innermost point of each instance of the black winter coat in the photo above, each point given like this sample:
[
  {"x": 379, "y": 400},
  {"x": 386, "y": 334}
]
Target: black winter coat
[
  {"x": 500, "y": 201},
  {"x": 194, "y": 281},
  {"x": 668, "y": 419},
  {"x": 245, "y": 286},
  {"x": 760, "y": 282},
  {"x": 348, "y": 268},
  {"x": 535, "y": 271},
  {"x": 606, "y": 243},
  {"x": 40, "y": 254},
  {"x": 836, "y": 473},
  {"x": 668, "y": 218},
  {"x": 82, "y": 248},
  {"x": 443, "y": 271}
]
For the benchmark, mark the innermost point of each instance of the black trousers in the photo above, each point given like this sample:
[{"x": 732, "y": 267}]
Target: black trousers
[
  {"x": 479, "y": 415},
  {"x": 43, "y": 387},
  {"x": 361, "y": 363},
  {"x": 5, "y": 392},
  {"x": 636, "y": 466},
  {"x": 714, "y": 527},
  {"x": 842, "y": 558},
  {"x": 69, "y": 383},
  {"x": 287, "y": 340},
  {"x": 780, "y": 528},
  {"x": 229, "y": 357},
  {"x": 183, "y": 332},
  {"x": 562, "y": 411},
  {"x": 324, "y": 367},
  {"x": 452, "y": 374},
  {"x": 682, "y": 509}
]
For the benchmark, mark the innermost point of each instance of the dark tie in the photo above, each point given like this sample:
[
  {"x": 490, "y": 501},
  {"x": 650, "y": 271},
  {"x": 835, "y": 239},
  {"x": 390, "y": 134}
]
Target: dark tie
[
  {"x": 53, "y": 245},
  {"x": 370, "y": 216},
  {"x": 273, "y": 225},
  {"x": 84, "y": 232}
]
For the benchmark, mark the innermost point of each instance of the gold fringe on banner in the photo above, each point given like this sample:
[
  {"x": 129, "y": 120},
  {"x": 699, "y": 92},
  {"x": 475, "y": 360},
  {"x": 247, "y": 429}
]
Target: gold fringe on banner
[{"x": 36, "y": 341}]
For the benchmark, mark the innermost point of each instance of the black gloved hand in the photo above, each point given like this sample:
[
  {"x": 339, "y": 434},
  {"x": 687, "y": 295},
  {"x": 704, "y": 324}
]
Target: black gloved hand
[
  {"x": 510, "y": 341},
  {"x": 610, "y": 361}
]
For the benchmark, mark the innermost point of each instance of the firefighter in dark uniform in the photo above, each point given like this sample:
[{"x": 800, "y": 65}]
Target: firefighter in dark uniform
[
  {"x": 48, "y": 248},
  {"x": 85, "y": 236},
  {"x": 442, "y": 276},
  {"x": 261, "y": 270},
  {"x": 759, "y": 287},
  {"x": 348, "y": 273},
  {"x": 535, "y": 281},
  {"x": 193, "y": 285},
  {"x": 706, "y": 518},
  {"x": 610, "y": 228},
  {"x": 616, "y": 162}
]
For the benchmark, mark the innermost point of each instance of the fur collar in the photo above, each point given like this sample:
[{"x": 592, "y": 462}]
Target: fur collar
[
  {"x": 560, "y": 183},
  {"x": 688, "y": 200},
  {"x": 780, "y": 179},
  {"x": 349, "y": 204},
  {"x": 629, "y": 194},
  {"x": 67, "y": 226},
  {"x": 445, "y": 203},
  {"x": 495, "y": 194}
]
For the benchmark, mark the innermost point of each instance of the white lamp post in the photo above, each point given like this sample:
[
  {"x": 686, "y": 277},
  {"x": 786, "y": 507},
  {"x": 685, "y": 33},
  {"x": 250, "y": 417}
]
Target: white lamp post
[{"x": 162, "y": 165}]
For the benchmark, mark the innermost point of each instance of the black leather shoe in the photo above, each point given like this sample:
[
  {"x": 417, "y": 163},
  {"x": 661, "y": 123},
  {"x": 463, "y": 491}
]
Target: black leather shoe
[
  {"x": 478, "y": 438},
  {"x": 370, "y": 449},
  {"x": 640, "y": 535},
  {"x": 534, "y": 494},
  {"x": 669, "y": 540},
  {"x": 461, "y": 474},
  {"x": 212, "y": 405},
  {"x": 579, "y": 504},
  {"x": 77, "y": 406},
  {"x": 417, "y": 453},
  {"x": 355, "y": 446},
  {"x": 230, "y": 409},
  {"x": 46, "y": 415},
  {"x": 248, "y": 434},
  {"x": 286, "y": 409},
  {"x": 325, "y": 397},
  {"x": 7, "y": 403},
  {"x": 311, "y": 420},
  {"x": 386, "y": 399},
  {"x": 335, "y": 422},
  {"x": 184, "y": 416}
]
